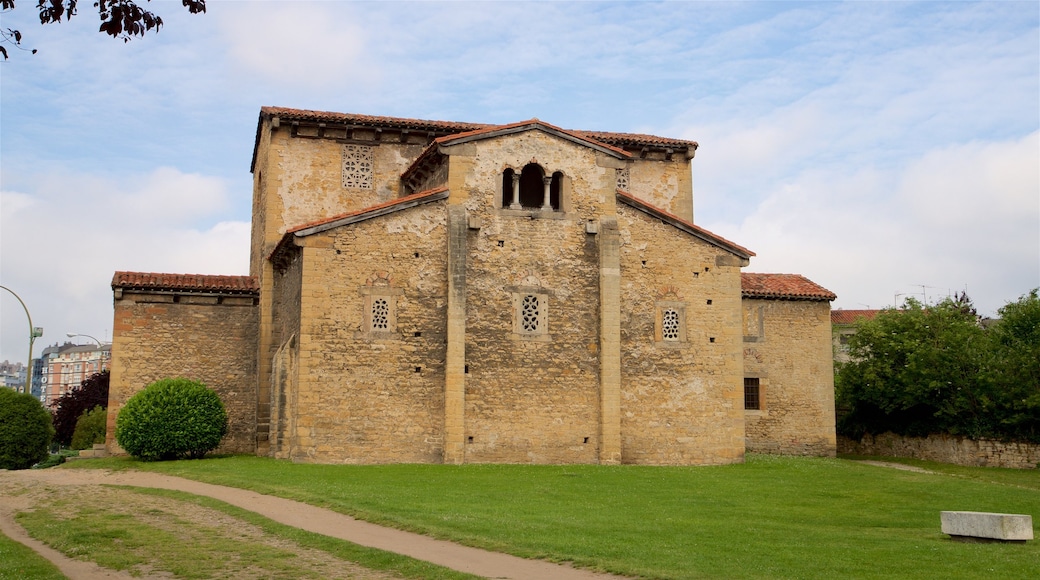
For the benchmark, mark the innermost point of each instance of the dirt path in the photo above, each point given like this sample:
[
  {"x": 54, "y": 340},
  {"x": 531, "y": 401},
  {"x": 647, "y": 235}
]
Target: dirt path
[{"x": 292, "y": 513}]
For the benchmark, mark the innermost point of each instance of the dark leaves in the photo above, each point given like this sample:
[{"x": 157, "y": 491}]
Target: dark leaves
[{"x": 119, "y": 18}]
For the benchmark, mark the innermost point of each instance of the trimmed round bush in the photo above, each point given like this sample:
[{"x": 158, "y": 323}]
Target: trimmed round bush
[
  {"x": 25, "y": 430},
  {"x": 90, "y": 428},
  {"x": 172, "y": 419}
]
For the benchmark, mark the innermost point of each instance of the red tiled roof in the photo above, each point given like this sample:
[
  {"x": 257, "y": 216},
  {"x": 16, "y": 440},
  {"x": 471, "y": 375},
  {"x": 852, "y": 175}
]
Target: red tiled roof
[
  {"x": 369, "y": 120},
  {"x": 782, "y": 287},
  {"x": 851, "y": 316},
  {"x": 358, "y": 215},
  {"x": 579, "y": 135},
  {"x": 680, "y": 223},
  {"x": 185, "y": 282},
  {"x": 610, "y": 139},
  {"x": 370, "y": 209}
]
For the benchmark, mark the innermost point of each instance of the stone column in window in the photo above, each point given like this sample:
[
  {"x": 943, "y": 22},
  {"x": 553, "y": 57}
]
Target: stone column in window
[
  {"x": 546, "y": 204},
  {"x": 515, "y": 204}
]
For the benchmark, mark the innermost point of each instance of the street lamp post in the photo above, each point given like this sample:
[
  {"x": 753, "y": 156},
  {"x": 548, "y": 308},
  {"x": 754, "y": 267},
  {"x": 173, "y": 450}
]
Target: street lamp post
[{"x": 34, "y": 333}]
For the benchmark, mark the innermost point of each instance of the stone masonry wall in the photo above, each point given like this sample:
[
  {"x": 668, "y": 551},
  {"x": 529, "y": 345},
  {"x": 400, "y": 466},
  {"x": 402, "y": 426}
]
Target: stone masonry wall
[
  {"x": 372, "y": 397},
  {"x": 787, "y": 346},
  {"x": 681, "y": 402},
  {"x": 947, "y": 449},
  {"x": 667, "y": 184},
  {"x": 205, "y": 338},
  {"x": 532, "y": 398},
  {"x": 285, "y": 322}
]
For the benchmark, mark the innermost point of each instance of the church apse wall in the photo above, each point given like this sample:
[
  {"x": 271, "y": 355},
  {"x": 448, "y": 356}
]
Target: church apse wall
[{"x": 680, "y": 399}]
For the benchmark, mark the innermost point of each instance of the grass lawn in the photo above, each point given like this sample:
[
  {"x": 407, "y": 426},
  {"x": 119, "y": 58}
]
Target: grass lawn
[
  {"x": 18, "y": 562},
  {"x": 771, "y": 517}
]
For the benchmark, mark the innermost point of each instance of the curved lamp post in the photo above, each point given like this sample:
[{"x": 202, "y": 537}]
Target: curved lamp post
[{"x": 34, "y": 333}]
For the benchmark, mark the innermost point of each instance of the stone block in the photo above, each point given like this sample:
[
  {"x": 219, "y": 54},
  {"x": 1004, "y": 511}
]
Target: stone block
[{"x": 983, "y": 526}]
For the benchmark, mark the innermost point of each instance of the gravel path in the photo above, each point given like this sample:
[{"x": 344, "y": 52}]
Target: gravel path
[{"x": 292, "y": 513}]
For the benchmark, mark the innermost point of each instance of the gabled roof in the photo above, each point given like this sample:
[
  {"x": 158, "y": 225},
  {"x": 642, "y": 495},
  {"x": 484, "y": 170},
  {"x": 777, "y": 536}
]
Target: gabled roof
[
  {"x": 532, "y": 125},
  {"x": 782, "y": 287},
  {"x": 154, "y": 281},
  {"x": 688, "y": 227},
  {"x": 851, "y": 316},
  {"x": 632, "y": 141},
  {"x": 367, "y": 213}
]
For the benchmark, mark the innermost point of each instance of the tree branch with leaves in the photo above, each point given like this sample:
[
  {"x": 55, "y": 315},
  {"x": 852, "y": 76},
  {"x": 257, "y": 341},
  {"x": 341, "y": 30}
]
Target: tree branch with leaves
[{"x": 121, "y": 19}]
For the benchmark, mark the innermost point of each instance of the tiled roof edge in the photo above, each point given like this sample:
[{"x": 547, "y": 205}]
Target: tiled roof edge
[
  {"x": 158, "y": 281},
  {"x": 697, "y": 231},
  {"x": 782, "y": 287}
]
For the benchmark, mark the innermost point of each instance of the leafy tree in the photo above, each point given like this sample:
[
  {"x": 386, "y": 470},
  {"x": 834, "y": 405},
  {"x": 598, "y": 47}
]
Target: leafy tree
[
  {"x": 119, "y": 18},
  {"x": 1015, "y": 342},
  {"x": 90, "y": 428},
  {"x": 92, "y": 392},
  {"x": 25, "y": 430},
  {"x": 917, "y": 371},
  {"x": 171, "y": 419}
]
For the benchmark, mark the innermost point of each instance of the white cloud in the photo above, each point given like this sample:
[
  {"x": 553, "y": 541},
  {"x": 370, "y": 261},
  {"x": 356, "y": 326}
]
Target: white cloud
[
  {"x": 961, "y": 217},
  {"x": 63, "y": 241}
]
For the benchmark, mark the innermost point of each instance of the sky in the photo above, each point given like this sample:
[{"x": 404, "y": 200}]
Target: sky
[{"x": 883, "y": 150}]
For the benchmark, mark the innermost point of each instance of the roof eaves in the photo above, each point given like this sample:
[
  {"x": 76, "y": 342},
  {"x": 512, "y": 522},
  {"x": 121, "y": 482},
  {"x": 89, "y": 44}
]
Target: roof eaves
[
  {"x": 512, "y": 128},
  {"x": 392, "y": 206},
  {"x": 676, "y": 221}
]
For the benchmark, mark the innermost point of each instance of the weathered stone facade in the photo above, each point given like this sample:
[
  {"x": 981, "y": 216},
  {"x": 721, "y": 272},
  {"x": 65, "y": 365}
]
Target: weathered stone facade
[
  {"x": 198, "y": 327},
  {"x": 787, "y": 352},
  {"x": 451, "y": 292}
]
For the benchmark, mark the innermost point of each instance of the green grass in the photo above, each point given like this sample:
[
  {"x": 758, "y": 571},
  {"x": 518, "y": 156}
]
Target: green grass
[
  {"x": 18, "y": 562},
  {"x": 772, "y": 517},
  {"x": 155, "y": 537}
]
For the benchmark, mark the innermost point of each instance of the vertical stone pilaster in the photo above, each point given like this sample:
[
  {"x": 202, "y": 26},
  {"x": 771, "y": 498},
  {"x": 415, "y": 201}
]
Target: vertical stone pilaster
[
  {"x": 455, "y": 365},
  {"x": 610, "y": 340},
  {"x": 264, "y": 353}
]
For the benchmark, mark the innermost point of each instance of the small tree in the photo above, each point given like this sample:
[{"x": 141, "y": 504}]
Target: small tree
[
  {"x": 25, "y": 430},
  {"x": 90, "y": 428},
  {"x": 171, "y": 419},
  {"x": 1015, "y": 371},
  {"x": 91, "y": 393},
  {"x": 916, "y": 371}
]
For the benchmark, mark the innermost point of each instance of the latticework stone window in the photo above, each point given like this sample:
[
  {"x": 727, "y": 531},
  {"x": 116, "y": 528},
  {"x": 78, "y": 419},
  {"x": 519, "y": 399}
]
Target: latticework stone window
[
  {"x": 670, "y": 324},
  {"x": 622, "y": 177},
  {"x": 357, "y": 167},
  {"x": 380, "y": 314},
  {"x": 530, "y": 314},
  {"x": 670, "y": 320},
  {"x": 530, "y": 309}
]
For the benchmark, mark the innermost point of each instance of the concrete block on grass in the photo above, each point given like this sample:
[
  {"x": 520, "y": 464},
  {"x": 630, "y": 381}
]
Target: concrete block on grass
[{"x": 985, "y": 526}]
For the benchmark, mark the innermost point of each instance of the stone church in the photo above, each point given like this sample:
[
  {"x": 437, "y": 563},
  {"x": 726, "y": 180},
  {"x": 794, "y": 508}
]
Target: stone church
[{"x": 428, "y": 292}]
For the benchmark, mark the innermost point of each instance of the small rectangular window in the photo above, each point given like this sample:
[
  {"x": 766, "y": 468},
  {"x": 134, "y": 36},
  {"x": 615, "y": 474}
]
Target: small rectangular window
[{"x": 752, "y": 395}]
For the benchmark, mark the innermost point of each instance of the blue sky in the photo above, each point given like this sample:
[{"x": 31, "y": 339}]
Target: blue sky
[{"x": 883, "y": 150}]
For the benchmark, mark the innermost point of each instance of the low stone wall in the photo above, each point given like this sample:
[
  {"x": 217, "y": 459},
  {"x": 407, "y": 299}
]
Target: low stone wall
[{"x": 946, "y": 449}]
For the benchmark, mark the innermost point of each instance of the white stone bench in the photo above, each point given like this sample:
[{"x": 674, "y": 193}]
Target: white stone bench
[{"x": 983, "y": 526}]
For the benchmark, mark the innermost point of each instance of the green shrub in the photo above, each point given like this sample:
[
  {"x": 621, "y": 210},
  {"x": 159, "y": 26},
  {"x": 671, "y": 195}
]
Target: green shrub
[
  {"x": 25, "y": 430},
  {"x": 171, "y": 419},
  {"x": 90, "y": 428}
]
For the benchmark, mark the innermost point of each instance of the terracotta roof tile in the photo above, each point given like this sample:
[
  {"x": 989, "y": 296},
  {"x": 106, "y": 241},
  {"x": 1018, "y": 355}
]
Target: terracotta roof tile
[
  {"x": 634, "y": 140},
  {"x": 369, "y": 120},
  {"x": 677, "y": 221},
  {"x": 370, "y": 209},
  {"x": 851, "y": 316},
  {"x": 579, "y": 135},
  {"x": 782, "y": 287},
  {"x": 185, "y": 282}
]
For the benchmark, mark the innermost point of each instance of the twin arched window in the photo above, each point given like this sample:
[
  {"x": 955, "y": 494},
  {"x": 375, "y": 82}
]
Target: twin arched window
[{"x": 531, "y": 189}]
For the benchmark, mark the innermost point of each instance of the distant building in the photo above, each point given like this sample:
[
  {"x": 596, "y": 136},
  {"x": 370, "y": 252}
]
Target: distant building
[
  {"x": 13, "y": 375},
  {"x": 66, "y": 366},
  {"x": 843, "y": 326}
]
